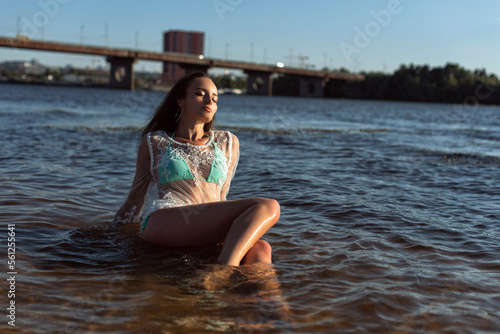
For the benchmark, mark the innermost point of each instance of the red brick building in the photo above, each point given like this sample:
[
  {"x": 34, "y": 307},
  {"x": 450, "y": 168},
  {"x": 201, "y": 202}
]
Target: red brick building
[{"x": 183, "y": 42}]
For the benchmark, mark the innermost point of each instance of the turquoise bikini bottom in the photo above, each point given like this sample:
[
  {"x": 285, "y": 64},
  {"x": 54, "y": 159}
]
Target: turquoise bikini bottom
[{"x": 143, "y": 225}]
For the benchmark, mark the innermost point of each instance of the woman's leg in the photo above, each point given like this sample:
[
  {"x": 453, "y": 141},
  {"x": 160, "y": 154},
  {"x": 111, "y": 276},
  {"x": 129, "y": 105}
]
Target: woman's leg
[
  {"x": 261, "y": 252},
  {"x": 238, "y": 223}
]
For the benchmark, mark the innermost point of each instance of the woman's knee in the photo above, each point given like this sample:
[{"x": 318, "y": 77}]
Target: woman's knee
[
  {"x": 270, "y": 205},
  {"x": 263, "y": 247},
  {"x": 261, "y": 251}
]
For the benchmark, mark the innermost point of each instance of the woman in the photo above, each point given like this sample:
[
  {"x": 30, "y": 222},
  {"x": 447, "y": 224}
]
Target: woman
[{"x": 182, "y": 178}]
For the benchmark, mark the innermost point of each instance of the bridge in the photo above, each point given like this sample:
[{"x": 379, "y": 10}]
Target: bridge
[{"x": 259, "y": 81}]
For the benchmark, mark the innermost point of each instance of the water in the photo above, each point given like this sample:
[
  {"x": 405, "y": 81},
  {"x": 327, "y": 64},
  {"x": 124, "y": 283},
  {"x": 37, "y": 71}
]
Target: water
[{"x": 390, "y": 218}]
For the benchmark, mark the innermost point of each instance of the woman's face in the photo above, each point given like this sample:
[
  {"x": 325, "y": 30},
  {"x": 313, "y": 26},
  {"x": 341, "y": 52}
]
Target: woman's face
[{"x": 200, "y": 103}]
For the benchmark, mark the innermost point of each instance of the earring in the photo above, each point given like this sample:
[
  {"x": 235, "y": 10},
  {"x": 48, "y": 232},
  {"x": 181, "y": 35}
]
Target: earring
[{"x": 178, "y": 115}]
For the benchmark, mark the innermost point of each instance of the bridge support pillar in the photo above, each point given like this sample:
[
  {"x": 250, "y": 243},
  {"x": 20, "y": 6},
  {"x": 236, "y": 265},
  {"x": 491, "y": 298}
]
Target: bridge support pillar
[
  {"x": 311, "y": 87},
  {"x": 121, "y": 74},
  {"x": 259, "y": 83}
]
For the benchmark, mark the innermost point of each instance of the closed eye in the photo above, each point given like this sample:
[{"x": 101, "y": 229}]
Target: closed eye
[{"x": 202, "y": 92}]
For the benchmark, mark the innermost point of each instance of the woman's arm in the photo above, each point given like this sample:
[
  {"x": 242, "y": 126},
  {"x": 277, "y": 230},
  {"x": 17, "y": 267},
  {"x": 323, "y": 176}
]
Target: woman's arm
[
  {"x": 233, "y": 158},
  {"x": 135, "y": 200}
]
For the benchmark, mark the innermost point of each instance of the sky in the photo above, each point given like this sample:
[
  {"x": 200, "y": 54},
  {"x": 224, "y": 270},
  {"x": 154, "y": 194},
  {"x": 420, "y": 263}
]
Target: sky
[{"x": 361, "y": 35}]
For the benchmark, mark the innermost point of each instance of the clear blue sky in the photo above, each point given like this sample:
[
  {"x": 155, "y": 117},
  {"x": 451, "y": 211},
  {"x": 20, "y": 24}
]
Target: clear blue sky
[{"x": 358, "y": 35}]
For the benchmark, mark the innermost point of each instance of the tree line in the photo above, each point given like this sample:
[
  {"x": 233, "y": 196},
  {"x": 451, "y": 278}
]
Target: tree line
[{"x": 449, "y": 84}]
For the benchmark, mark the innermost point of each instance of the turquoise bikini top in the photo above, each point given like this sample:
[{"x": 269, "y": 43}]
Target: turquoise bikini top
[{"x": 176, "y": 168}]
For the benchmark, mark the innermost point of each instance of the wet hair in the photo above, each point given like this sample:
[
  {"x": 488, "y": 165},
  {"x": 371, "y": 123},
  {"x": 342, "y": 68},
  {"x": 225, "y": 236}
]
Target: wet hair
[{"x": 164, "y": 117}]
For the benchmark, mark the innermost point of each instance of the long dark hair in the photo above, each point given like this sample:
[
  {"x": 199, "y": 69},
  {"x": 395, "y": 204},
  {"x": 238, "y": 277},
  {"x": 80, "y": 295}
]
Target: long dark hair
[{"x": 164, "y": 117}]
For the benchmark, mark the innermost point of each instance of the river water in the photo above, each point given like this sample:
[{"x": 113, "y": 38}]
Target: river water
[{"x": 389, "y": 224}]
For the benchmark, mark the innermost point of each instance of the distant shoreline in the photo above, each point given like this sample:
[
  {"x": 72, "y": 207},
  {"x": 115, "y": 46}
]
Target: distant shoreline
[
  {"x": 4, "y": 80},
  {"x": 55, "y": 83}
]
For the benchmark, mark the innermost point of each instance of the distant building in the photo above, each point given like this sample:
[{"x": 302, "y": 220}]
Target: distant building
[
  {"x": 183, "y": 42},
  {"x": 24, "y": 67}
]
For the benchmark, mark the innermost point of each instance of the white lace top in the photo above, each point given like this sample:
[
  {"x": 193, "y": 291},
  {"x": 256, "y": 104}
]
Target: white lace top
[{"x": 170, "y": 173}]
